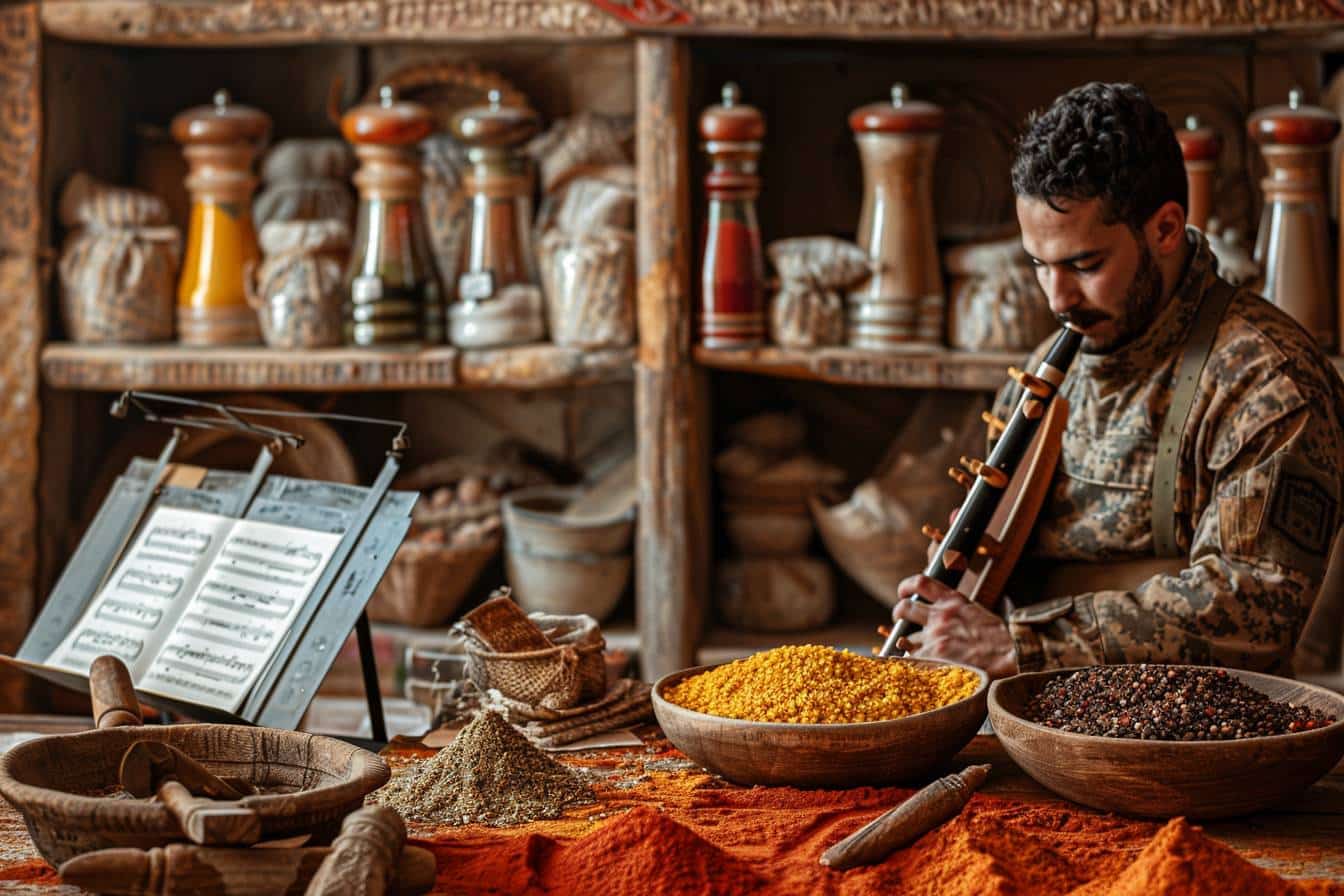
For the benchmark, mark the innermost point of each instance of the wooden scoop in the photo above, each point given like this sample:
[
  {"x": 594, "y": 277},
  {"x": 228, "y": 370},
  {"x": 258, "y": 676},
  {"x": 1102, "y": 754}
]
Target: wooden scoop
[
  {"x": 114, "y": 702},
  {"x": 148, "y": 763},
  {"x": 208, "y": 822}
]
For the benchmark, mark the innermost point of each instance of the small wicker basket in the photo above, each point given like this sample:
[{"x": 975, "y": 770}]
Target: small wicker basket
[
  {"x": 426, "y": 582},
  {"x": 571, "y": 673}
]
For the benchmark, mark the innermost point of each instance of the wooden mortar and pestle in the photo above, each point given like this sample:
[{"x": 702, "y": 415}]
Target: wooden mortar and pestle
[
  {"x": 152, "y": 768},
  {"x": 202, "y": 774}
]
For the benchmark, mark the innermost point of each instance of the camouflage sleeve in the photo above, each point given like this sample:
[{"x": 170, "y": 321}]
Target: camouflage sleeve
[{"x": 1257, "y": 557}]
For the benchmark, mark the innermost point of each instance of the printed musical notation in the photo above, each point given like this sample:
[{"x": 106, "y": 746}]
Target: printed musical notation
[
  {"x": 244, "y": 604},
  {"x": 131, "y": 615},
  {"x": 199, "y": 604},
  {"x": 93, "y": 643},
  {"x": 128, "y": 613}
]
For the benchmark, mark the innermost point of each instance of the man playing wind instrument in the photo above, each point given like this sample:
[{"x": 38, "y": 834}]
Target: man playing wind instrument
[{"x": 1221, "y": 564}]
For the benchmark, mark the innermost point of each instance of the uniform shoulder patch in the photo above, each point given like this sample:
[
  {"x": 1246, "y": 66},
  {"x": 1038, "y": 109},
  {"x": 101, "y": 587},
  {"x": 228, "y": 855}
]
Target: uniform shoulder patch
[{"x": 1303, "y": 510}]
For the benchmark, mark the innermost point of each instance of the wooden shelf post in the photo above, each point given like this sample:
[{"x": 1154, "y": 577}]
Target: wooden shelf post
[{"x": 671, "y": 577}]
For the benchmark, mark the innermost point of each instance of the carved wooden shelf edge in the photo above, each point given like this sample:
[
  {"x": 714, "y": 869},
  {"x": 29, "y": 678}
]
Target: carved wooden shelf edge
[
  {"x": 916, "y": 369},
  {"x": 1123, "y": 18},
  {"x": 211, "y": 23},
  {"x": 180, "y": 369},
  {"x": 206, "y": 23}
]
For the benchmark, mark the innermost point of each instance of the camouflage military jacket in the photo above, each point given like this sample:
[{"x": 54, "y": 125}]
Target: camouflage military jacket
[{"x": 1261, "y": 472}]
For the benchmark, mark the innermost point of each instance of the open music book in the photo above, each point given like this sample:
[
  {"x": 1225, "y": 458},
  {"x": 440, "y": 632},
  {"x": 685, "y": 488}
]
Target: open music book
[{"x": 199, "y": 604}]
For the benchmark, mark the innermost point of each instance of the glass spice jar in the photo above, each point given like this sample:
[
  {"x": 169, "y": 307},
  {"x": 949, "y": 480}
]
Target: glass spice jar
[
  {"x": 393, "y": 290},
  {"x": 220, "y": 142}
]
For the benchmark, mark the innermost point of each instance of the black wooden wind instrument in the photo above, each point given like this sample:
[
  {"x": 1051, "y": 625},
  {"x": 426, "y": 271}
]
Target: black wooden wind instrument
[{"x": 988, "y": 480}]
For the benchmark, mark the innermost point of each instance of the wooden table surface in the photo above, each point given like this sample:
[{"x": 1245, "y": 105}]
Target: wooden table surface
[{"x": 1302, "y": 839}]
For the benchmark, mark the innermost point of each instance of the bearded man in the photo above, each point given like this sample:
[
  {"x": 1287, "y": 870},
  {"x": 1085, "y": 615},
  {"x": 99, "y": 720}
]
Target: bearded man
[{"x": 1192, "y": 512}]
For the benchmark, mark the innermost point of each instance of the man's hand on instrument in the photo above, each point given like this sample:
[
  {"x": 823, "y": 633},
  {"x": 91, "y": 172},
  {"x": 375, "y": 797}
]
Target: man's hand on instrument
[{"x": 954, "y": 628}]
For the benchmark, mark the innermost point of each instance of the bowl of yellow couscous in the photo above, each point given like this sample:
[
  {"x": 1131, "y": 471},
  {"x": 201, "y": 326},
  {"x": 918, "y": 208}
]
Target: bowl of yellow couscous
[{"x": 812, "y": 716}]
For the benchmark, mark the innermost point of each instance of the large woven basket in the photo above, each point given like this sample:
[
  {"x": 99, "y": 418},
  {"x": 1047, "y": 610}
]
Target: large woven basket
[
  {"x": 569, "y": 674},
  {"x": 426, "y": 583}
]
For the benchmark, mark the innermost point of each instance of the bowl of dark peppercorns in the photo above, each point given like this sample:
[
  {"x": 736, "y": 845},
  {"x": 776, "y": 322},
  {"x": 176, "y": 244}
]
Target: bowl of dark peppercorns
[{"x": 1161, "y": 741}]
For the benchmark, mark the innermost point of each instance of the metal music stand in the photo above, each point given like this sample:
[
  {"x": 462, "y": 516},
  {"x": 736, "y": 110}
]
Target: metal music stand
[{"x": 372, "y": 521}]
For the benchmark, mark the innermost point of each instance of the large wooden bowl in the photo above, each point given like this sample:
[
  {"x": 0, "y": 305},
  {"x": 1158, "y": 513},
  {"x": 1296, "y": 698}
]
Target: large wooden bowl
[
  {"x": 47, "y": 780},
  {"x": 899, "y": 751},
  {"x": 1198, "y": 779}
]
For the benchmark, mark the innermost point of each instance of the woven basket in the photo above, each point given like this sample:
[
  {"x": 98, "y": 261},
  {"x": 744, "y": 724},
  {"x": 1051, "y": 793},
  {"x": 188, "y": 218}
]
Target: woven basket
[
  {"x": 568, "y": 674},
  {"x": 426, "y": 582}
]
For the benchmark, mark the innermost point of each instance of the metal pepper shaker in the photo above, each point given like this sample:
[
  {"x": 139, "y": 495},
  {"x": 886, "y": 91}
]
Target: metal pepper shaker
[
  {"x": 1200, "y": 146},
  {"x": 220, "y": 143},
  {"x": 903, "y": 301},
  {"x": 498, "y": 248},
  {"x": 1292, "y": 245},
  {"x": 732, "y": 274},
  {"x": 393, "y": 290}
]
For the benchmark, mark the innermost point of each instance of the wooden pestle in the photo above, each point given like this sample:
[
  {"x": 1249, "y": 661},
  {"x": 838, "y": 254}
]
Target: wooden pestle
[
  {"x": 208, "y": 822},
  {"x": 906, "y": 823},
  {"x": 114, "y": 702},
  {"x": 180, "y": 869},
  {"x": 364, "y": 857},
  {"x": 148, "y": 763}
]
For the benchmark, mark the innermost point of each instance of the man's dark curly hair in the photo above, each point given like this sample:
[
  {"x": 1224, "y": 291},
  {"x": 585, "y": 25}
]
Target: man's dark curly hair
[{"x": 1105, "y": 141}]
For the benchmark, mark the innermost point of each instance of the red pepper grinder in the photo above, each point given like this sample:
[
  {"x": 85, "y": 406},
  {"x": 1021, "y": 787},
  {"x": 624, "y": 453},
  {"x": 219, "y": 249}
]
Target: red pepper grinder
[
  {"x": 1292, "y": 245},
  {"x": 903, "y": 300},
  {"x": 732, "y": 279},
  {"x": 1200, "y": 146}
]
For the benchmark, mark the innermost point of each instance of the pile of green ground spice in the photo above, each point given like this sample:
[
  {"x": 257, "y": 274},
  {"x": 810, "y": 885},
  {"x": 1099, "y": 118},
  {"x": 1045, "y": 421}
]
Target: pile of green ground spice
[{"x": 490, "y": 774}]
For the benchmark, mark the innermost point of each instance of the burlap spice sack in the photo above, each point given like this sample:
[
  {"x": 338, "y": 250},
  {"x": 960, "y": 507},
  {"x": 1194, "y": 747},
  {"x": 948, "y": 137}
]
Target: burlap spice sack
[
  {"x": 808, "y": 310},
  {"x": 442, "y": 160},
  {"x": 305, "y": 180},
  {"x": 580, "y": 145},
  {"x": 297, "y": 290},
  {"x": 995, "y": 302},
  {"x": 118, "y": 267}
]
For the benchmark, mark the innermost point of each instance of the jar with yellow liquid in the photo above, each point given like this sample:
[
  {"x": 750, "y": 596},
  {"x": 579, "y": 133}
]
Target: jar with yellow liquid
[{"x": 220, "y": 143}]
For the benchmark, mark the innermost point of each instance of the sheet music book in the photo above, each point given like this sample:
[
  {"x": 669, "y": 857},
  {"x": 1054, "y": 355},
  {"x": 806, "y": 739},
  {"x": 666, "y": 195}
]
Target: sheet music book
[{"x": 198, "y": 604}]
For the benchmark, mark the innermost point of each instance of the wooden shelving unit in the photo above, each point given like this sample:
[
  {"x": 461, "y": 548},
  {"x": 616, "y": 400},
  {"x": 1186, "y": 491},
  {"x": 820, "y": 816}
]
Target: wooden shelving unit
[
  {"x": 181, "y": 369},
  {"x": 827, "y": 57}
]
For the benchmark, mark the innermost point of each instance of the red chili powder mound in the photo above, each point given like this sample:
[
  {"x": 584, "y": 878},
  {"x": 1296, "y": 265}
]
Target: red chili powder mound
[
  {"x": 644, "y": 853},
  {"x": 1181, "y": 861}
]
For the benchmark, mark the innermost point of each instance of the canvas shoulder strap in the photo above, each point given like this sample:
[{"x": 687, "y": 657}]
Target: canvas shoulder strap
[{"x": 1196, "y": 355}]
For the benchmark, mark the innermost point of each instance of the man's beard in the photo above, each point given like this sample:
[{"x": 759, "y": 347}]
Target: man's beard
[{"x": 1141, "y": 303}]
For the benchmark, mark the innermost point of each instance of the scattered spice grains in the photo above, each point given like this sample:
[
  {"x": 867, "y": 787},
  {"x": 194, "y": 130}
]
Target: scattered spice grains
[
  {"x": 490, "y": 774},
  {"x": 1165, "y": 703},
  {"x": 819, "y": 685}
]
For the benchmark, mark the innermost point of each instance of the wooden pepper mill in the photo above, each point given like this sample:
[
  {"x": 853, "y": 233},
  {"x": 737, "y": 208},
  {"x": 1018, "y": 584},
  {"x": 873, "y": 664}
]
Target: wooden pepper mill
[
  {"x": 1200, "y": 146},
  {"x": 498, "y": 248},
  {"x": 220, "y": 142},
  {"x": 732, "y": 278},
  {"x": 394, "y": 295},
  {"x": 903, "y": 301},
  {"x": 1292, "y": 245}
]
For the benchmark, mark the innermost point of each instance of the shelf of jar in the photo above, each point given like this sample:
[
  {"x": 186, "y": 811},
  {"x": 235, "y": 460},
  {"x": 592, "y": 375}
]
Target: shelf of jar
[
  {"x": 922, "y": 367},
  {"x": 918, "y": 367},
  {"x": 182, "y": 368}
]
